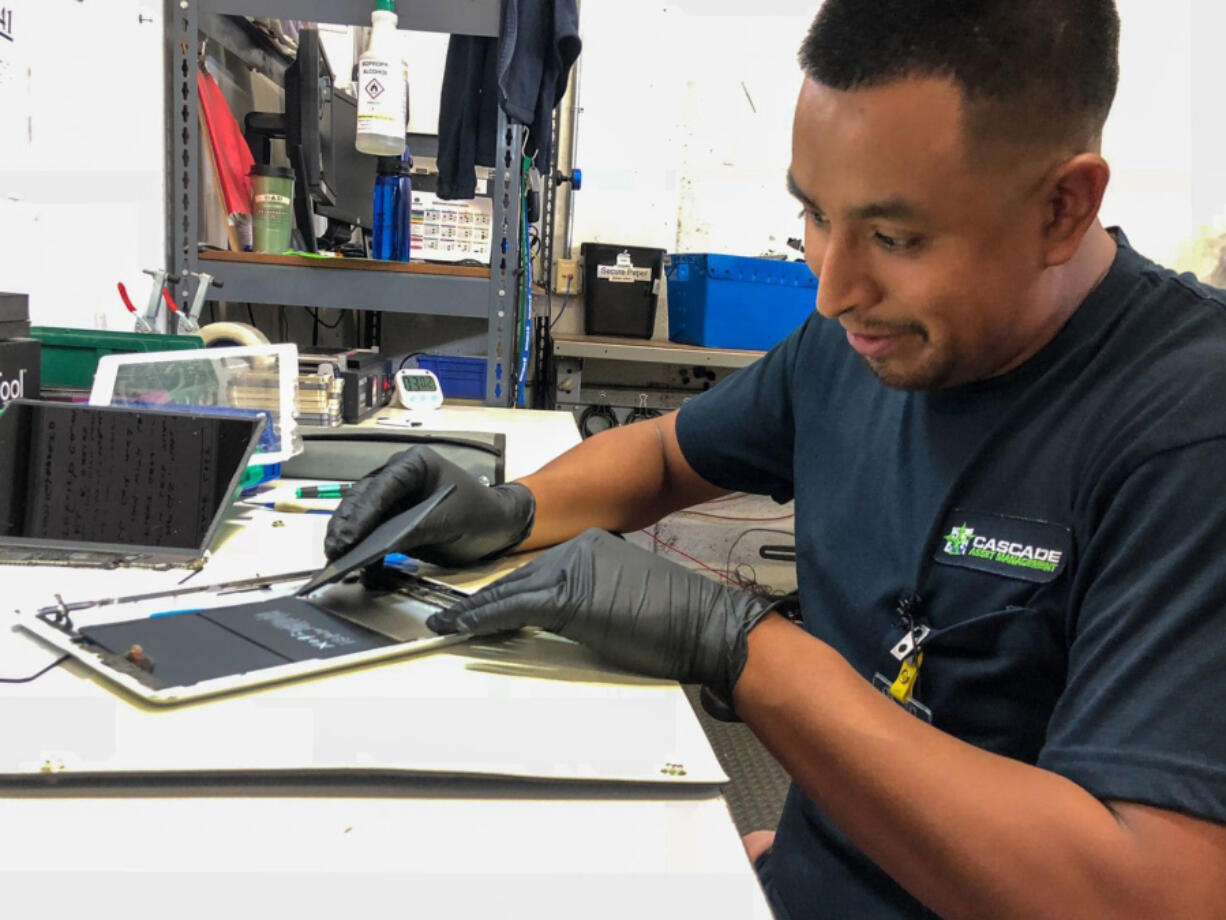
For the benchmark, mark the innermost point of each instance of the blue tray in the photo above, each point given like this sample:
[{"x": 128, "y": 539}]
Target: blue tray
[{"x": 736, "y": 302}]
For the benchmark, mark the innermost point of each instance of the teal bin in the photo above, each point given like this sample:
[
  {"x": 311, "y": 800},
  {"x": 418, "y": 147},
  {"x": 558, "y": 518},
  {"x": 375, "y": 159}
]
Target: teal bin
[
  {"x": 724, "y": 301},
  {"x": 70, "y": 356}
]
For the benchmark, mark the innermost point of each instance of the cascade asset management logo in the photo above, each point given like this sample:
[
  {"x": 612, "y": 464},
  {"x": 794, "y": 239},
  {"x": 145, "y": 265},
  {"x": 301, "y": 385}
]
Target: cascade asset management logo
[
  {"x": 1015, "y": 547},
  {"x": 958, "y": 540},
  {"x": 962, "y": 541}
]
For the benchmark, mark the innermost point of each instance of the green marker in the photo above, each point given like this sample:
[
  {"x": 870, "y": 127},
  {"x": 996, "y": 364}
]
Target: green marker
[{"x": 331, "y": 490}]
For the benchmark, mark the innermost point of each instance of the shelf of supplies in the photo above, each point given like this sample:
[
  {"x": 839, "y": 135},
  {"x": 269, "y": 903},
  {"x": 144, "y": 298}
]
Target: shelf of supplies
[
  {"x": 350, "y": 284},
  {"x": 424, "y": 290},
  {"x": 649, "y": 351},
  {"x": 460, "y": 17}
]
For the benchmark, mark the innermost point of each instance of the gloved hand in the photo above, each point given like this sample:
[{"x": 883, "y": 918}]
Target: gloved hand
[
  {"x": 475, "y": 522},
  {"x": 628, "y": 605}
]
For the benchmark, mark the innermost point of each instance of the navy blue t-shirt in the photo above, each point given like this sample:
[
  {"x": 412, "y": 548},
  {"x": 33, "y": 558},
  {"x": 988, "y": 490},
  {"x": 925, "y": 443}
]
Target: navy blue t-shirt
[{"x": 1064, "y": 528}]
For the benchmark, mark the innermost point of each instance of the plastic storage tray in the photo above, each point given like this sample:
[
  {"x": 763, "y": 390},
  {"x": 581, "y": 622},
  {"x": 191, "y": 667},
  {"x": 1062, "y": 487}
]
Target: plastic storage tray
[
  {"x": 70, "y": 356},
  {"x": 460, "y": 377},
  {"x": 736, "y": 302}
]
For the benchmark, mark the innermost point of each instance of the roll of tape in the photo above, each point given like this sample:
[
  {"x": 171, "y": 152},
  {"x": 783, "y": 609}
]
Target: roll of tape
[{"x": 219, "y": 335}]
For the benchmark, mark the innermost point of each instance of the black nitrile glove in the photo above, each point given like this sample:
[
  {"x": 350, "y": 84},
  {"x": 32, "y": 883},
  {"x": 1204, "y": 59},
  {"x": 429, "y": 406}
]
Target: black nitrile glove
[
  {"x": 475, "y": 522},
  {"x": 628, "y": 605}
]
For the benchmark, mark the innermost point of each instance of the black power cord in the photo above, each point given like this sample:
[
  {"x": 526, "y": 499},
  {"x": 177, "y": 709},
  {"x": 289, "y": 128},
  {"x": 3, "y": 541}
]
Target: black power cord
[
  {"x": 315, "y": 314},
  {"x": 642, "y": 414},
  {"x": 595, "y": 413},
  {"x": 25, "y": 680},
  {"x": 407, "y": 358}
]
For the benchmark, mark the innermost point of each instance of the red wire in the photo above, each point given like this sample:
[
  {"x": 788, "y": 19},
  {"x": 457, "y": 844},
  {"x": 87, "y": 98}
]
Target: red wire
[
  {"x": 689, "y": 557},
  {"x": 169, "y": 300},
  {"x": 735, "y": 496}
]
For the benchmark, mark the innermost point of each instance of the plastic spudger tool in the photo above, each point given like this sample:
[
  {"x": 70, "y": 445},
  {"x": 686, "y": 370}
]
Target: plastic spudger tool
[{"x": 375, "y": 546}]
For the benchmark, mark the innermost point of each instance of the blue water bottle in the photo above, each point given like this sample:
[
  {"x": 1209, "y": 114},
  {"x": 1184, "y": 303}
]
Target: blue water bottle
[{"x": 393, "y": 207}]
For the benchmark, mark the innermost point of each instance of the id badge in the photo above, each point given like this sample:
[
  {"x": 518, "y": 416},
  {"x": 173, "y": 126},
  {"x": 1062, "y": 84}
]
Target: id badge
[{"x": 885, "y": 685}]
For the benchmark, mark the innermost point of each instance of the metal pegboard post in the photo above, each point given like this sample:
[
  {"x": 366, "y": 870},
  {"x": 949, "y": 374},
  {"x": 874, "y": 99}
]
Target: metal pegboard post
[
  {"x": 503, "y": 354},
  {"x": 182, "y": 126}
]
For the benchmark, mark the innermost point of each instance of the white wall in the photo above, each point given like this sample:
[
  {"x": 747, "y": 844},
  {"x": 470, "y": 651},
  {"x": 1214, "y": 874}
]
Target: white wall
[
  {"x": 673, "y": 154},
  {"x": 81, "y": 156},
  {"x": 686, "y": 117},
  {"x": 1166, "y": 135}
]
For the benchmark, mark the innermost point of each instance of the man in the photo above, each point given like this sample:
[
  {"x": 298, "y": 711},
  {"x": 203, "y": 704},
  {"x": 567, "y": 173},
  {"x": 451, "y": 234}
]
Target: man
[{"x": 1003, "y": 431}]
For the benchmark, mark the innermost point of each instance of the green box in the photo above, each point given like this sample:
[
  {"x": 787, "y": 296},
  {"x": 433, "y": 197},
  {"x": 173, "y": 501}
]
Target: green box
[{"x": 70, "y": 356}]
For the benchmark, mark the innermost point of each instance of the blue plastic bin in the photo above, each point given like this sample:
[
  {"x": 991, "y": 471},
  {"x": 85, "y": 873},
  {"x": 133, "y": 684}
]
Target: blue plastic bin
[
  {"x": 460, "y": 378},
  {"x": 736, "y": 302}
]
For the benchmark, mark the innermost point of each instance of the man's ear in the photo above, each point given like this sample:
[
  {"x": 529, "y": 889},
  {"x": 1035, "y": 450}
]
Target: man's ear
[{"x": 1073, "y": 193}]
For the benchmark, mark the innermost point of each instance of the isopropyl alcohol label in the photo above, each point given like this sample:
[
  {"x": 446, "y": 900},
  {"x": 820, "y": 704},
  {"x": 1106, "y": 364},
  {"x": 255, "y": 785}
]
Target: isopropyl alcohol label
[
  {"x": 1014, "y": 547},
  {"x": 381, "y": 97}
]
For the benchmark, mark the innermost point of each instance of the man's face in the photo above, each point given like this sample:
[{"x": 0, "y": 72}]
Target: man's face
[{"x": 932, "y": 266}]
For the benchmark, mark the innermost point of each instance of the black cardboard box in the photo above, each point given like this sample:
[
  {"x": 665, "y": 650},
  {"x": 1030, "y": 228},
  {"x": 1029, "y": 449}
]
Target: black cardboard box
[
  {"x": 19, "y": 370},
  {"x": 621, "y": 289},
  {"x": 14, "y": 308},
  {"x": 17, "y": 329}
]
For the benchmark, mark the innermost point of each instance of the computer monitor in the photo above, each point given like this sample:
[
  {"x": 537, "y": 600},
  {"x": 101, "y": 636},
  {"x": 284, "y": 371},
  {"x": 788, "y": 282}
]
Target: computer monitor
[
  {"x": 353, "y": 172},
  {"x": 319, "y": 125}
]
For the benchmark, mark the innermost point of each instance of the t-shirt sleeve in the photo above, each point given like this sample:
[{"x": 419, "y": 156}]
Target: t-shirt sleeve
[
  {"x": 1141, "y": 718},
  {"x": 740, "y": 434}
]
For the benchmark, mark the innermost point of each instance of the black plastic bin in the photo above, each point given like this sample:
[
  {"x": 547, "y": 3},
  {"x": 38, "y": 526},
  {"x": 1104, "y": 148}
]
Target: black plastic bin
[{"x": 621, "y": 289}]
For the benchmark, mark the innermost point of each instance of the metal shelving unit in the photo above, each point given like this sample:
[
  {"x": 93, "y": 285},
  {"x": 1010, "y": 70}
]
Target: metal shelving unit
[
  {"x": 430, "y": 290},
  {"x": 352, "y": 284},
  {"x": 656, "y": 388}
]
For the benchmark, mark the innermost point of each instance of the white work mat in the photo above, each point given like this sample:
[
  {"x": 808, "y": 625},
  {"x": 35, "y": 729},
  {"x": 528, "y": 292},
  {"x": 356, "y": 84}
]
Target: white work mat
[{"x": 529, "y": 706}]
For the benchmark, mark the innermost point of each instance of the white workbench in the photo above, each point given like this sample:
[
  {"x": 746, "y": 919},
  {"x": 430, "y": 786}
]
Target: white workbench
[{"x": 206, "y": 810}]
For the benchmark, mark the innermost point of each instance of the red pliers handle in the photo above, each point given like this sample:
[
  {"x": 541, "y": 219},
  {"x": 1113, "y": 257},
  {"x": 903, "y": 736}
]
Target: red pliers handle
[{"x": 127, "y": 301}]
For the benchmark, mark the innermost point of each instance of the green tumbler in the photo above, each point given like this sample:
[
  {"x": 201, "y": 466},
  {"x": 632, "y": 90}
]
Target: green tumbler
[{"x": 272, "y": 201}]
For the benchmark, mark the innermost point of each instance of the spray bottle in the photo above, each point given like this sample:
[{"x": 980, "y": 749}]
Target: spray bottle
[{"x": 382, "y": 87}]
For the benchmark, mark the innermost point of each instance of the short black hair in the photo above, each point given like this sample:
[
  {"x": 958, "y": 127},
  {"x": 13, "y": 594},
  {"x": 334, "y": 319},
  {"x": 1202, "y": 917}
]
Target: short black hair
[{"x": 1037, "y": 73}]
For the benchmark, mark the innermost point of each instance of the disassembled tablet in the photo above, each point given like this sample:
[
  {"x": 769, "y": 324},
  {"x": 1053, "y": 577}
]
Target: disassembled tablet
[
  {"x": 175, "y": 646},
  {"x": 102, "y": 486}
]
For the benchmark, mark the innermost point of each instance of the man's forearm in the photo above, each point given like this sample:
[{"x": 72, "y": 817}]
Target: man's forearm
[
  {"x": 969, "y": 833},
  {"x": 619, "y": 480}
]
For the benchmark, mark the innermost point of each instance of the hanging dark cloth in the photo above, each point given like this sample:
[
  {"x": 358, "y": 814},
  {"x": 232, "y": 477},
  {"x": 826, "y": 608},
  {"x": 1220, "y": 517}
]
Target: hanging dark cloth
[{"x": 525, "y": 71}]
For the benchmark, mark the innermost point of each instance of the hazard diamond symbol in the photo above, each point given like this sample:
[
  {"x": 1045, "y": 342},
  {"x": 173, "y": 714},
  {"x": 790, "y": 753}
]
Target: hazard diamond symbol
[{"x": 374, "y": 89}]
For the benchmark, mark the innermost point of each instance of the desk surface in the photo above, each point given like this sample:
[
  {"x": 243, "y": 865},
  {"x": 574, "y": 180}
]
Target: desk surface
[
  {"x": 455, "y": 852},
  {"x": 455, "y": 848}
]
